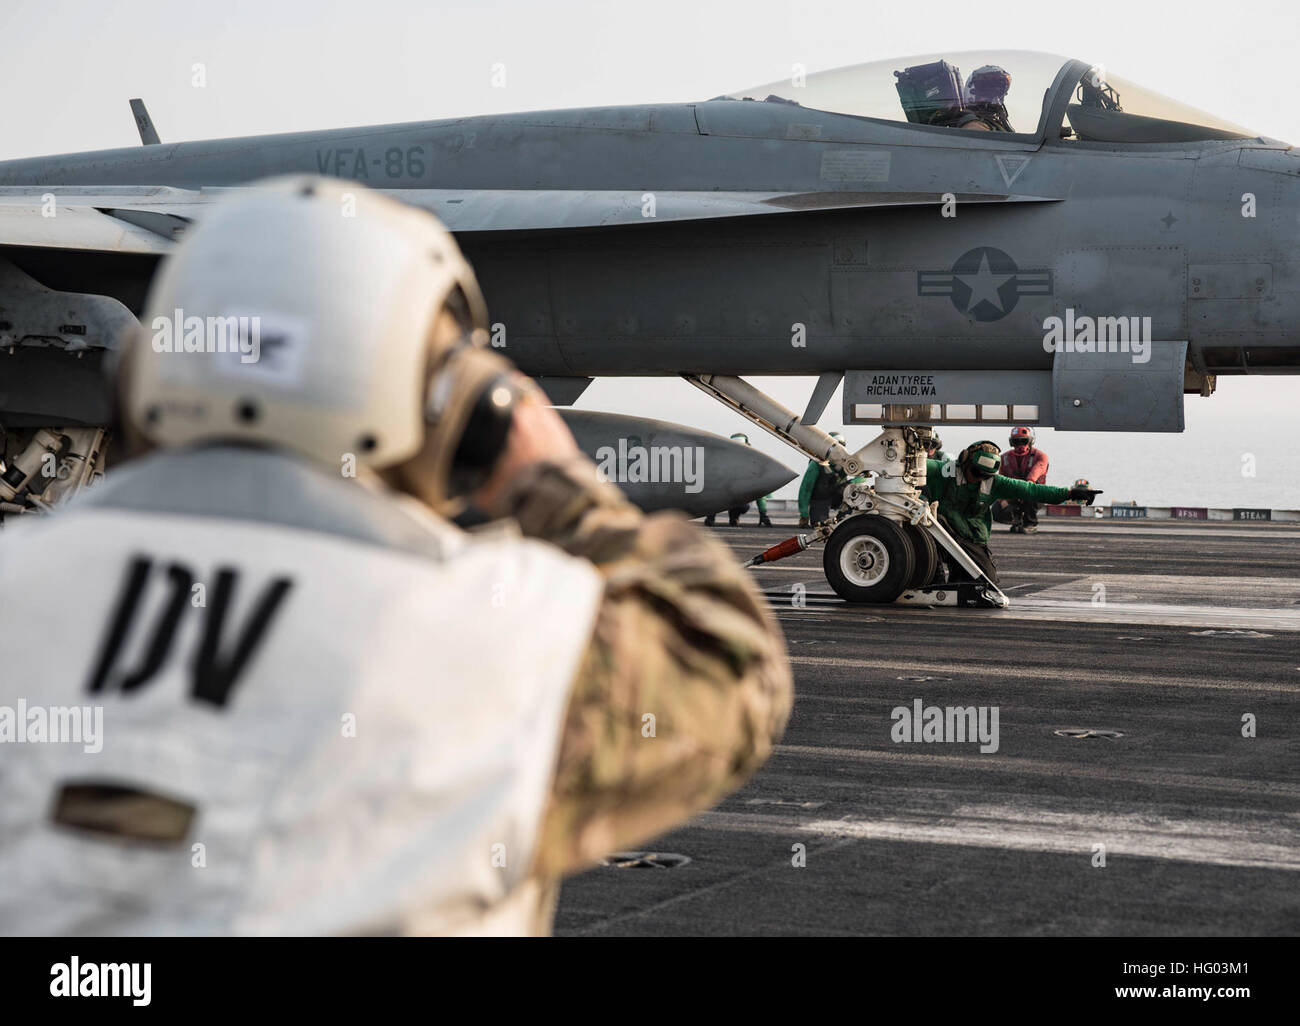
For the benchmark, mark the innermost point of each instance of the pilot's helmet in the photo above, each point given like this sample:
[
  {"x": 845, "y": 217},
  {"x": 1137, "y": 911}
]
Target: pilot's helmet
[{"x": 987, "y": 84}]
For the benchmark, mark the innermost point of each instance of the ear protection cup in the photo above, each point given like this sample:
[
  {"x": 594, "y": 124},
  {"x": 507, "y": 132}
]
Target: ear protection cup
[
  {"x": 469, "y": 406},
  {"x": 484, "y": 436}
]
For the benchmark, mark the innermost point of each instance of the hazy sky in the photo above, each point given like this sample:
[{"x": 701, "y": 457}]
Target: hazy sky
[{"x": 280, "y": 65}]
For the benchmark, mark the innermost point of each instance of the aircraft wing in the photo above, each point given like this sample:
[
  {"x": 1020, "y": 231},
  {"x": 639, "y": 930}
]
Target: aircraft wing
[
  {"x": 149, "y": 219},
  {"x": 120, "y": 219}
]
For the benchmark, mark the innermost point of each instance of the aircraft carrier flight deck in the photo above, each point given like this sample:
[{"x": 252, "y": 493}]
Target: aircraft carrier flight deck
[{"x": 1124, "y": 797}]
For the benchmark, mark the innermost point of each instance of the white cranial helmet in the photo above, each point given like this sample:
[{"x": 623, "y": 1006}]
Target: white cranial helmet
[{"x": 298, "y": 313}]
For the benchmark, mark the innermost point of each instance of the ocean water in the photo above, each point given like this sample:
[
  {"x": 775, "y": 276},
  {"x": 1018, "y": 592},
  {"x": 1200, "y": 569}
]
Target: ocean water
[
  {"x": 1239, "y": 449},
  {"x": 1157, "y": 470}
]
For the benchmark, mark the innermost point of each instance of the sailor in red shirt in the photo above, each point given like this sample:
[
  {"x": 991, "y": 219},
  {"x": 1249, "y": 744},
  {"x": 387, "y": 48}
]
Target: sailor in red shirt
[{"x": 1026, "y": 463}]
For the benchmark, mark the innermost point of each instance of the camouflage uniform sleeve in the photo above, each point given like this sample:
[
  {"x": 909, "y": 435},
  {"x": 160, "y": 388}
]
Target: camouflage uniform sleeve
[{"x": 681, "y": 635}]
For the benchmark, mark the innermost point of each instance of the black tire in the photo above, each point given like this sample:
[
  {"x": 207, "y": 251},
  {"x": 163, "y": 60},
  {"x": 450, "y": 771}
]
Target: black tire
[
  {"x": 926, "y": 550},
  {"x": 868, "y": 559}
]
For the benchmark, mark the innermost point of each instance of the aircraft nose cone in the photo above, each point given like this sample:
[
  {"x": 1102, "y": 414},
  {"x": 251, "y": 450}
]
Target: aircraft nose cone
[
  {"x": 734, "y": 474},
  {"x": 769, "y": 474}
]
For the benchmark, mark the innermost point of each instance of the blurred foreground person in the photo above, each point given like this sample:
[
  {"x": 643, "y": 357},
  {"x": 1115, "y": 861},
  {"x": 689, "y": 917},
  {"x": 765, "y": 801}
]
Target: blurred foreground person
[{"x": 324, "y": 708}]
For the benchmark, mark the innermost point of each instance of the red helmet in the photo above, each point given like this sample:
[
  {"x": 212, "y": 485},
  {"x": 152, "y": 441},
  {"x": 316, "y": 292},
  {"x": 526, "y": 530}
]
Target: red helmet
[{"x": 1022, "y": 436}]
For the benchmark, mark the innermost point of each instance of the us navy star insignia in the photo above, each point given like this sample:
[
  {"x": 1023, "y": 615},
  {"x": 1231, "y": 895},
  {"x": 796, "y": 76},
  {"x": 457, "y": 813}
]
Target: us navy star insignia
[{"x": 984, "y": 283}]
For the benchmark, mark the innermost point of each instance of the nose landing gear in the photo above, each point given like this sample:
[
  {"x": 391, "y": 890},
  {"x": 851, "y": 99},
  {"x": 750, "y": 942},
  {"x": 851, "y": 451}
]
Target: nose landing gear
[
  {"x": 50, "y": 465},
  {"x": 884, "y": 543},
  {"x": 869, "y": 559},
  {"x": 866, "y": 557}
]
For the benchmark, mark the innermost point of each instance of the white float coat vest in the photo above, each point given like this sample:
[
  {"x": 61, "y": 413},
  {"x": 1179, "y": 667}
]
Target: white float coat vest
[{"x": 380, "y": 764}]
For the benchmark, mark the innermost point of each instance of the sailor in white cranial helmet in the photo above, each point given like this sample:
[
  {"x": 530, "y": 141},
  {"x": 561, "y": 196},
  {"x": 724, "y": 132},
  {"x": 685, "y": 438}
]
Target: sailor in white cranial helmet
[{"x": 371, "y": 720}]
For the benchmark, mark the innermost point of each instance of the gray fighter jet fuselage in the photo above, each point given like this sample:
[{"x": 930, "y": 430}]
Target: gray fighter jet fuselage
[{"x": 767, "y": 237}]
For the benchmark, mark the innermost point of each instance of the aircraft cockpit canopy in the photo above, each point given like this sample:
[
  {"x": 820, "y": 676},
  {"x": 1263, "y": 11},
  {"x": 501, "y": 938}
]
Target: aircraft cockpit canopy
[
  {"x": 1108, "y": 109},
  {"x": 1009, "y": 91}
]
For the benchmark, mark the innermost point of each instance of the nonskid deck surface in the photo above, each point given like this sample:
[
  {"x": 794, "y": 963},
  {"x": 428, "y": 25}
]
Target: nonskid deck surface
[{"x": 1197, "y": 626}]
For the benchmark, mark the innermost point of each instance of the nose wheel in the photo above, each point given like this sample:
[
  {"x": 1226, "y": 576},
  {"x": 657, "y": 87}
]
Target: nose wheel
[
  {"x": 869, "y": 559},
  {"x": 926, "y": 551}
]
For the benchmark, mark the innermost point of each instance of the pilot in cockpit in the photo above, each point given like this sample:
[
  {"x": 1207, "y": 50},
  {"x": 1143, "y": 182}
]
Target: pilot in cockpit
[
  {"x": 933, "y": 94},
  {"x": 985, "y": 98}
]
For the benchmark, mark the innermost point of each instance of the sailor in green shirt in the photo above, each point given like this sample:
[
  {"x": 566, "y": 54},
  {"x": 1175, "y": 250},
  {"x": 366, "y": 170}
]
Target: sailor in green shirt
[
  {"x": 935, "y": 451},
  {"x": 966, "y": 489},
  {"x": 734, "y": 514},
  {"x": 821, "y": 488}
]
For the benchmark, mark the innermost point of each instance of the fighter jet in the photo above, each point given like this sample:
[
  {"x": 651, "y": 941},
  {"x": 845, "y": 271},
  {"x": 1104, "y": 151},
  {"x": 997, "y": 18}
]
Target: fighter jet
[{"x": 972, "y": 239}]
